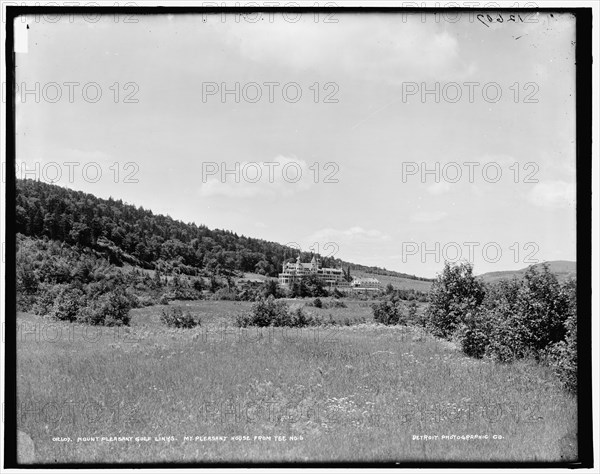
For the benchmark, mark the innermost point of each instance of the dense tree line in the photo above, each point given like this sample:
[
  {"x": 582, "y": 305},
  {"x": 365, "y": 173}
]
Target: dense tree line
[{"x": 134, "y": 235}]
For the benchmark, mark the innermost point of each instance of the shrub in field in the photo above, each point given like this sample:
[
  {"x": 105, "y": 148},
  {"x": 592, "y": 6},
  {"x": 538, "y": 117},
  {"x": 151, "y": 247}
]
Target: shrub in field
[
  {"x": 198, "y": 285},
  {"x": 266, "y": 312},
  {"x": 27, "y": 282},
  {"x": 45, "y": 299},
  {"x": 68, "y": 304},
  {"x": 505, "y": 339},
  {"x": 414, "y": 316},
  {"x": 527, "y": 317},
  {"x": 272, "y": 312},
  {"x": 317, "y": 303},
  {"x": 299, "y": 319},
  {"x": 225, "y": 294},
  {"x": 388, "y": 312},
  {"x": 473, "y": 334},
  {"x": 176, "y": 318},
  {"x": 453, "y": 295},
  {"x": 545, "y": 305},
  {"x": 497, "y": 319},
  {"x": 214, "y": 283},
  {"x": 563, "y": 355},
  {"x": 271, "y": 287},
  {"x": 144, "y": 301},
  {"x": 412, "y": 310},
  {"x": 109, "y": 309},
  {"x": 335, "y": 304},
  {"x": 249, "y": 294},
  {"x": 164, "y": 299},
  {"x": 182, "y": 293},
  {"x": 337, "y": 293}
]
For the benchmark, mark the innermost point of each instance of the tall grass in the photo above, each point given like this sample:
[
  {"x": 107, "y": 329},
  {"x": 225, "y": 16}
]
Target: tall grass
[{"x": 357, "y": 393}]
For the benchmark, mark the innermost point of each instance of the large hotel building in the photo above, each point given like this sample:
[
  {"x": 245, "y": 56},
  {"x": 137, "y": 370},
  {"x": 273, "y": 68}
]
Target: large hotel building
[{"x": 331, "y": 277}]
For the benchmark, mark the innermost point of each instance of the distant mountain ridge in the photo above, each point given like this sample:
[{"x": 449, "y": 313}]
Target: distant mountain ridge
[{"x": 563, "y": 269}]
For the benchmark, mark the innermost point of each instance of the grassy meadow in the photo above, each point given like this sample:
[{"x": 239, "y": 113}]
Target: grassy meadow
[{"x": 217, "y": 393}]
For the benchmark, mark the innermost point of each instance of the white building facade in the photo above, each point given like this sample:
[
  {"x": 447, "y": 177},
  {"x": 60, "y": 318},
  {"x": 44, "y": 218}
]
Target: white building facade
[
  {"x": 331, "y": 277},
  {"x": 365, "y": 284}
]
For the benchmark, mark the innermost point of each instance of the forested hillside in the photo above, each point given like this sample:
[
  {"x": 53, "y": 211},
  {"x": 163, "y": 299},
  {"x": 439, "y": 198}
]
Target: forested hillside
[{"x": 128, "y": 234}]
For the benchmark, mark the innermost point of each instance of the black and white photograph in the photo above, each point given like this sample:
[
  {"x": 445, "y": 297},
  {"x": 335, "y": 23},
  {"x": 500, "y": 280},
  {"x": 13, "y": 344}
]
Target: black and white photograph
[{"x": 305, "y": 234}]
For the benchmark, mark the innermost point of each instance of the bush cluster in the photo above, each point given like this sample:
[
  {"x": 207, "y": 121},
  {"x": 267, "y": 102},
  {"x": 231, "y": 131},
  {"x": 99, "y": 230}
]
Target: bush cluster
[
  {"x": 319, "y": 303},
  {"x": 454, "y": 294},
  {"x": 67, "y": 303},
  {"x": 176, "y": 318},
  {"x": 110, "y": 309},
  {"x": 272, "y": 312},
  {"x": 335, "y": 303},
  {"x": 225, "y": 294},
  {"x": 512, "y": 319},
  {"x": 392, "y": 310},
  {"x": 387, "y": 312},
  {"x": 563, "y": 355}
]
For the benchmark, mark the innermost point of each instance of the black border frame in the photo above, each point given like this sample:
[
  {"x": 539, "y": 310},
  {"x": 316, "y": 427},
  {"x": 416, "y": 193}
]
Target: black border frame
[{"x": 583, "y": 59}]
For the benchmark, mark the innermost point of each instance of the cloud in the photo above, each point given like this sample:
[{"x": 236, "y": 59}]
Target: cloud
[
  {"x": 85, "y": 156},
  {"x": 389, "y": 48},
  {"x": 428, "y": 216},
  {"x": 553, "y": 194},
  {"x": 281, "y": 176},
  {"x": 353, "y": 235},
  {"x": 354, "y": 243},
  {"x": 439, "y": 188}
]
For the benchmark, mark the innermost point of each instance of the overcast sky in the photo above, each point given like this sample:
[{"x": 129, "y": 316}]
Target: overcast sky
[{"x": 361, "y": 118}]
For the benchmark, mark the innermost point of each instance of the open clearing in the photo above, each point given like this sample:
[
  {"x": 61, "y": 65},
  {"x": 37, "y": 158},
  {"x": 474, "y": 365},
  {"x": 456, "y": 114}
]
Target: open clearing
[{"x": 220, "y": 394}]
